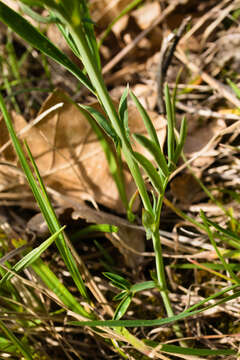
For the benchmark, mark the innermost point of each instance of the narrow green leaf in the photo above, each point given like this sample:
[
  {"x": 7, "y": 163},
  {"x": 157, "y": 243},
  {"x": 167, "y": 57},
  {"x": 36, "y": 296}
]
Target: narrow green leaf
[
  {"x": 105, "y": 228},
  {"x": 112, "y": 159},
  {"x": 54, "y": 284},
  {"x": 7, "y": 346},
  {"x": 120, "y": 296},
  {"x": 146, "y": 119},
  {"x": 88, "y": 25},
  {"x": 154, "y": 322},
  {"x": 226, "y": 232},
  {"x": 195, "y": 351},
  {"x": 30, "y": 257},
  {"x": 155, "y": 151},
  {"x": 35, "y": 16},
  {"x": 22, "y": 348},
  {"x": 69, "y": 40},
  {"x": 118, "y": 280},
  {"x": 174, "y": 95},
  {"x": 122, "y": 307},
  {"x": 213, "y": 242},
  {"x": 53, "y": 224},
  {"x": 215, "y": 266},
  {"x": 142, "y": 286},
  {"x": 181, "y": 140},
  {"x": 123, "y": 112},
  {"x": 30, "y": 34},
  {"x": 234, "y": 87},
  {"x": 43, "y": 202},
  {"x": 148, "y": 221},
  {"x": 102, "y": 121},
  {"x": 150, "y": 171},
  {"x": 170, "y": 122}
]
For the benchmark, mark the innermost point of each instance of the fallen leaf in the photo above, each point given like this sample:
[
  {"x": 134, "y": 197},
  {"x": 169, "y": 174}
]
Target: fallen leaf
[
  {"x": 186, "y": 189},
  {"x": 198, "y": 137},
  {"x": 69, "y": 155}
]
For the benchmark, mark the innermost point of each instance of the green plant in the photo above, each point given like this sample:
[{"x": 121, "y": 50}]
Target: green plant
[{"x": 73, "y": 20}]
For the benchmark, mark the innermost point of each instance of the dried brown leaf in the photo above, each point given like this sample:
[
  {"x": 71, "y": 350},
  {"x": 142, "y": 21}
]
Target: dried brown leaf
[{"x": 69, "y": 155}]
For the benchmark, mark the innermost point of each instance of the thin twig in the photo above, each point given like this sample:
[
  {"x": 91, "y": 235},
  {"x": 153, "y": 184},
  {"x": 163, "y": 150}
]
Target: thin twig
[{"x": 167, "y": 50}]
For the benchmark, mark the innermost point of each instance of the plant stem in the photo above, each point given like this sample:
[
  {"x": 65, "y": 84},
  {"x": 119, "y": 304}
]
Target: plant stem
[
  {"x": 104, "y": 98},
  {"x": 161, "y": 277},
  {"x": 97, "y": 81}
]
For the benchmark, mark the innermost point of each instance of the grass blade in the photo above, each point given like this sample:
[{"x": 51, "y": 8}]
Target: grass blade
[
  {"x": 150, "y": 171},
  {"x": 154, "y": 322},
  {"x": 181, "y": 140},
  {"x": 23, "y": 350},
  {"x": 54, "y": 284},
  {"x": 155, "y": 151},
  {"x": 53, "y": 224},
  {"x": 30, "y": 34},
  {"x": 113, "y": 162},
  {"x": 213, "y": 242},
  {"x": 43, "y": 202},
  {"x": 146, "y": 119},
  {"x": 31, "y": 257},
  {"x": 123, "y": 112},
  {"x": 102, "y": 121},
  {"x": 234, "y": 87},
  {"x": 196, "y": 351},
  {"x": 170, "y": 121}
]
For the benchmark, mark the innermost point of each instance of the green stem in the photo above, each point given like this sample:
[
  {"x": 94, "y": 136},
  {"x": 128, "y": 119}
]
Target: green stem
[
  {"x": 161, "y": 277},
  {"x": 104, "y": 98}
]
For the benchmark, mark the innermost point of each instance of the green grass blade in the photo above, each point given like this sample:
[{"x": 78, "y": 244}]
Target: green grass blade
[
  {"x": 7, "y": 346},
  {"x": 213, "y": 242},
  {"x": 170, "y": 121},
  {"x": 102, "y": 121},
  {"x": 155, "y": 151},
  {"x": 53, "y": 283},
  {"x": 234, "y": 87},
  {"x": 120, "y": 296},
  {"x": 159, "y": 322},
  {"x": 212, "y": 297},
  {"x": 53, "y": 223},
  {"x": 146, "y": 119},
  {"x": 68, "y": 39},
  {"x": 22, "y": 348},
  {"x": 89, "y": 31},
  {"x": 181, "y": 141},
  {"x": 35, "y": 16},
  {"x": 112, "y": 159},
  {"x": 123, "y": 112},
  {"x": 30, "y": 34},
  {"x": 43, "y": 202},
  {"x": 150, "y": 171},
  {"x": 228, "y": 233},
  {"x": 154, "y": 322},
  {"x": 31, "y": 257},
  {"x": 196, "y": 351},
  {"x": 105, "y": 228}
]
